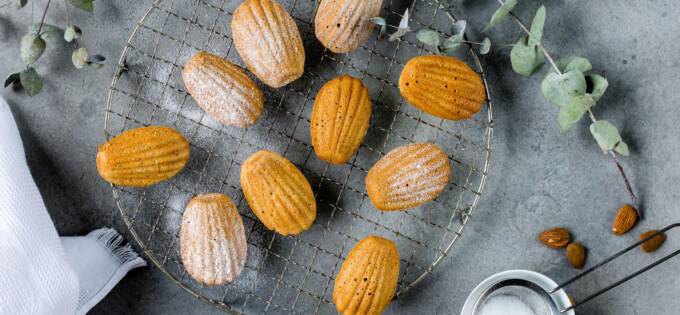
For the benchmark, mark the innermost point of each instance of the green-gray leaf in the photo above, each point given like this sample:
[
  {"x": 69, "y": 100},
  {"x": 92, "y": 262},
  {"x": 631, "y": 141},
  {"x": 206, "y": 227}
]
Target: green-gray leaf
[
  {"x": 572, "y": 112},
  {"x": 574, "y": 63},
  {"x": 561, "y": 89},
  {"x": 48, "y": 31},
  {"x": 458, "y": 28},
  {"x": 378, "y": 21},
  {"x": 501, "y": 13},
  {"x": 485, "y": 47},
  {"x": 537, "y": 27},
  {"x": 597, "y": 85},
  {"x": 526, "y": 60},
  {"x": 452, "y": 43},
  {"x": 622, "y": 148},
  {"x": 404, "y": 20},
  {"x": 32, "y": 47},
  {"x": 72, "y": 32},
  {"x": 79, "y": 57},
  {"x": 398, "y": 34},
  {"x": 87, "y": 5},
  {"x": 606, "y": 134},
  {"x": 20, "y": 3},
  {"x": 428, "y": 37},
  {"x": 31, "y": 81},
  {"x": 11, "y": 79}
]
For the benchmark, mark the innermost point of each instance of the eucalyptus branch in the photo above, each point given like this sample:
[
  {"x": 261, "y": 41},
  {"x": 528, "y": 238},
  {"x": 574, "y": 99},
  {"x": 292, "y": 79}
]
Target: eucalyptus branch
[{"x": 42, "y": 20}]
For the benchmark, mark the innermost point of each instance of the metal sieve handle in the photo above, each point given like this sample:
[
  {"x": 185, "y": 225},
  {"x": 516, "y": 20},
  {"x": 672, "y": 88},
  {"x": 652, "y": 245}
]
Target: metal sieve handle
[{"x": 617, "y": 283}]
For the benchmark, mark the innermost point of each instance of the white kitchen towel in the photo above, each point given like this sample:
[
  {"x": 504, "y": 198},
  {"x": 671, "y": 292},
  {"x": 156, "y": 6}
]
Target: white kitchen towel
[{"x": 37, "y": 274}]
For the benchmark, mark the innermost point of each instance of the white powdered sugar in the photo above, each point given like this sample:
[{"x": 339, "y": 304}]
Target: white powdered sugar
[{"x": 505, "y": 304}]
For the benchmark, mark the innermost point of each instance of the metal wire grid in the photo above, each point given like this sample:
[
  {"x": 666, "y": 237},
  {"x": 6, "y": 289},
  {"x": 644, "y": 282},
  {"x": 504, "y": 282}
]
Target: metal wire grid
[{"x": 289, "y": 274}]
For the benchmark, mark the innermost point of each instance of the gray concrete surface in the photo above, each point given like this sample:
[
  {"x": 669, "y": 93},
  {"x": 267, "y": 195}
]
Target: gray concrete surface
[{"x": 539, "y": 177}]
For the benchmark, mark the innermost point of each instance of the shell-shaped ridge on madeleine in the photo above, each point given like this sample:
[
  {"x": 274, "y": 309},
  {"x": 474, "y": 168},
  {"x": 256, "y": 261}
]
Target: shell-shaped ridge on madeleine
[
  {"x": 442, "y": 86},
  {"x": 367, "y": 280},
  {"x": 143, "y": 156},
  {"x": 269, "y": 42},
  {"x": 223, "y": 90},
  {"x": 213, "y": 245},
  {"x": 344, "y": 25},
  {"x": 408, "y": 176},
  {"x": 340, "y": 118},
  {"x": 278, "y": 193}
]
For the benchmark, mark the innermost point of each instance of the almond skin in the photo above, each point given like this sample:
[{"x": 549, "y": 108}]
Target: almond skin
[
  {"x": 654, "y": 243},
  {"x": 555, "y": 238},
  {"x": 625, "y": 220},
  {"x": 576, "y": 255}
]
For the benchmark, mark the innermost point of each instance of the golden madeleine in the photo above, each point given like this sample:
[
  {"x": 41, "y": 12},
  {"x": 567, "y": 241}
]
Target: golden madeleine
[
  {"x": 278, "y": 193},
  {"x": 223, "y": 90},
  {"x": 367, "y": 279},
  {"x": 212, "y": 240},
  {"x": 143, "y": 156},
  {"x": 344, "y": 25},
  {"x": 442, "y": 86},
  {"x": 408, "y": 176},
  {"x": 268, "y": 40},
  {"x": 342, "y": 110}
]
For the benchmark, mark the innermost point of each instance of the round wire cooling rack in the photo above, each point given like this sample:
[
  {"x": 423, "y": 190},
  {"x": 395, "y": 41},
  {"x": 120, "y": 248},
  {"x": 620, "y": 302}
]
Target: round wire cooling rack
[{"x": 291, "y": 274}]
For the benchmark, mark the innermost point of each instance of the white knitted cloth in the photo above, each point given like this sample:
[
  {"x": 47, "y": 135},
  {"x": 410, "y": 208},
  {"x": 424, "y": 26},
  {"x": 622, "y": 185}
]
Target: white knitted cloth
[{"x": 39, "y": 275}]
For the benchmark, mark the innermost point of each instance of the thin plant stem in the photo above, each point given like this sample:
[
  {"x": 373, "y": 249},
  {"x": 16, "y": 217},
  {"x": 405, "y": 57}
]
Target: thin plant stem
[
  {"x": 42, "y": 20},
  {"x": 550, "y": 59}
]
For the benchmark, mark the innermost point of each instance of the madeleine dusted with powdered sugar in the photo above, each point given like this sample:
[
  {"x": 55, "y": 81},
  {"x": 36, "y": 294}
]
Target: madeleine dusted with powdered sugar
[
  {"x": 268, "y": 41},
  {"x": 408, "y": 176},
  {"x": 344, "y": 25},
  {"x": 212, "y": 240},
  {"x": 223, "y": 90}
]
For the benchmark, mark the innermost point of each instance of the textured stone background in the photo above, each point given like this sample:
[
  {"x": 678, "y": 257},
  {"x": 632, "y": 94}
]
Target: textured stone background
[{"x": 539, "y": 177}]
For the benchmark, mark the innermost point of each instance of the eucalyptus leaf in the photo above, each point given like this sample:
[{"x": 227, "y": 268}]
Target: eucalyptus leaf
[
  {"x": 87, "y": 5},
  {"x": 32, "y": 47},
  {"x": 47, "y": 31},
  {"x": 537, "y": 27},
  {"x": 597, "y": 85},
  {"x": 403, "y": 28},
  {"x": 72, "y": 32},
  {"x": 79, "y": 57},
  {"x": 606, "y": 134},
  {"x": 378, "y": 21},
  {"x": 526, "y": 60},
  {"x": 428, "y": 37},
  {"x": 486, "y": 46},
  {"x": 31, "y": 81},
  {"x": 20, "y": 3},
  {"x": 622, "y": 148},
  {"x": 12, "y": 78},
  {"x": 560, "y": 89},
  {"x": 452, "y": 43},
  {"x": 500, "y": 13},
  {"x": 458, "y": 28},
  {"x": 574, "y": 63},
  {"x": 573, "y": 111},
  {"x": 403, "y": 24},
  {"x": 98, "y": 58}
]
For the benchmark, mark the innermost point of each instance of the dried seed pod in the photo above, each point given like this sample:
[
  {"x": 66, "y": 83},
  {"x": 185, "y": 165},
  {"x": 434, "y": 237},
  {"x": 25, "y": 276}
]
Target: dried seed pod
[
  {"x": 212, "y": 240},
  {"x": 223, "y": 90},
  {"x": 576, "y": 254},
  {"x": 654, "y": 243},
  {"x": 367, "y": 279},
  {"x": 268, "y": 40},
  {"x": 555, "y": 238},
  {"x": 408, "y": 176},
  {"x": 344, "y": 25},
  {"x": 625, "y": 219},
  {"x": 442, "y": 86},
  {"x": 278, "y": 193},
  {"x": 143, "y": 156},
  {"x": 340, "y": 118}
]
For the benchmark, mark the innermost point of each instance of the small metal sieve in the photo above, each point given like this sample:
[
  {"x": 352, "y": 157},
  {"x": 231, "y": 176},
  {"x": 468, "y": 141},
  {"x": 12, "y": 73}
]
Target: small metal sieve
[{"x": 541, "y": 294}]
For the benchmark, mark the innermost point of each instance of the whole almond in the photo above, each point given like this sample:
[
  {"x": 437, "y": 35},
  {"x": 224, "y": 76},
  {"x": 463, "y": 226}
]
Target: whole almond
[
  {"x": 654, "y": 243},
  {"x": 625, "y": 219},
  {"x": 555, "y": 237},
  {"x": 576, "y": 254}
]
